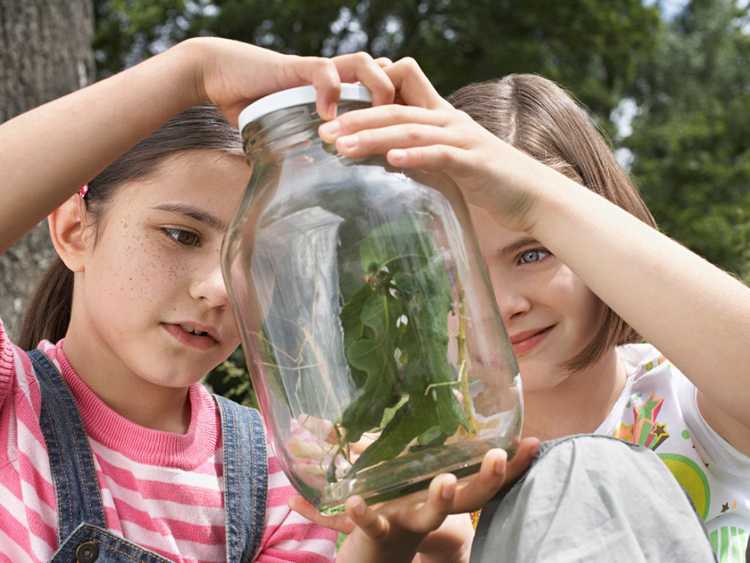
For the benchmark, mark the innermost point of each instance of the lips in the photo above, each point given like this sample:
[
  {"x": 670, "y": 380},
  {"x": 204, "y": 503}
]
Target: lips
[
  {"x": 194, "y": 335},
  {"x": 524, "y": 342}
]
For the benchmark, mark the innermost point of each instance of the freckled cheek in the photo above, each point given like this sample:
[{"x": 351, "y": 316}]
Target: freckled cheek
[{"x": 141, "y": 273}]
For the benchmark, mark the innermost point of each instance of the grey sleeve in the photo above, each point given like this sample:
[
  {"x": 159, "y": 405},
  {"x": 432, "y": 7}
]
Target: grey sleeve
[{"x": 592, "y": 498}]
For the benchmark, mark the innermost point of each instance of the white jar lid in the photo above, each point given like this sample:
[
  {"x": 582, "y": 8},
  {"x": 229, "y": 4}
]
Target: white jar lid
[{"x": 296, "y": 97}]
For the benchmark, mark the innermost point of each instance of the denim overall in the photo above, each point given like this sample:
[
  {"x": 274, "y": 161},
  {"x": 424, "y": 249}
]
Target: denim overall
[{"x": 82, "y": 533}]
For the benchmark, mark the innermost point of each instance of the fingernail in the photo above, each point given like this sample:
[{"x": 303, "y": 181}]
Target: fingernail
[
  {"x": 447, "y": 492},
  {"x": 332, "y": 109},
  {"x": 397, "y": 155},
  {"x": 500, "y": 463},
  {"x": 348, "y": 142},
  {"x": 359, "y": 509},
  {"x": 330, "y": 129}
]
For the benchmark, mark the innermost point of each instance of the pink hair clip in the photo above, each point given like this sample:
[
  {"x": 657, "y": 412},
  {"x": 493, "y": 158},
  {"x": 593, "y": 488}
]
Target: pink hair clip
[{"x": 83, "y": 190}]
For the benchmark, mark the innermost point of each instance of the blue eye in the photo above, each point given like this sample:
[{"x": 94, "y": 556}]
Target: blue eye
[
  {"x": 532, "y": 256},
  {"x": 183, "y": 237}
]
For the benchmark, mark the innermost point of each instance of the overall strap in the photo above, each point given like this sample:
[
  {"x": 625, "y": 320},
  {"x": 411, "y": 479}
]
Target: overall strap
[
  {"x": 79, "y": 499},
  {"x": 245, "y": 479}
]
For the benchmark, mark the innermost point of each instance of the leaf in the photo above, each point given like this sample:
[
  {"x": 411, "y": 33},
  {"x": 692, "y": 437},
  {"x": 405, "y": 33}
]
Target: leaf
[
  {"x": 431, "y": 436},
  {"x": 353, "y": 328},
  {"x": 373, "y": 355},
  {"x": 401, "y": 241},
  {"x": 412, "y": 419},
  {"x": 403, "y": 312},
  {"x": 390, "y": 412}
]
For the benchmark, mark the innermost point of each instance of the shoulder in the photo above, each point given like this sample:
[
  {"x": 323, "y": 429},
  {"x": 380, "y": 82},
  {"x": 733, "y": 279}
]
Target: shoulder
[
  {"x": 246, "y": 422},
  {"x": 7, "y": 362},
  {"x": 651, "y": 376},
  {"x": 641, "y": 359},
  {"x": 16, "y": 370},
  {"x": 659, "y": 392}
]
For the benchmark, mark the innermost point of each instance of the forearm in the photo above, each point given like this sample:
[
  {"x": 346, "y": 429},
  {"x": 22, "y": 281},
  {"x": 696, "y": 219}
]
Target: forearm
[
  {"x": 48, "y": 152},
  {"x": 697, "y": 315}
]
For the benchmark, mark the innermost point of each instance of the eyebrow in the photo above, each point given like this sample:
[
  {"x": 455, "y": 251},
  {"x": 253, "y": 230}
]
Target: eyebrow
[
  {"x": 193, "y": 213},
  {"x": 518, "y": 245}
]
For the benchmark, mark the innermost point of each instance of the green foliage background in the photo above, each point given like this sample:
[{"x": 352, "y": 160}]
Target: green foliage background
[{"x": 680, "y": 65}]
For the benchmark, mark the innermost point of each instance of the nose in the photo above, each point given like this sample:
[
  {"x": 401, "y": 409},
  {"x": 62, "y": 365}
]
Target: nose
[
  {"x": 512, "y": 305},
  {"x": 210, "y": 289}
]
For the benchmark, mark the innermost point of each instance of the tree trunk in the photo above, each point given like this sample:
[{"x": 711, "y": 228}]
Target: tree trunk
[{"x": 45, "y": 52}]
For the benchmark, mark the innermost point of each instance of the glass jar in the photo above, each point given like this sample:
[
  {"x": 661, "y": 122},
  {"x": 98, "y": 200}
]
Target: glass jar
[{"x": 369, "y": 325}]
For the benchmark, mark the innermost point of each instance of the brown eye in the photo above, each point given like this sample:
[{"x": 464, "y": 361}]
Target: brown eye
[{"x": 183, "y": 237}]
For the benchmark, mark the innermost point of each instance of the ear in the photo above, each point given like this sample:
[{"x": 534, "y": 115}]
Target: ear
[{"x": 67, "y": 229}]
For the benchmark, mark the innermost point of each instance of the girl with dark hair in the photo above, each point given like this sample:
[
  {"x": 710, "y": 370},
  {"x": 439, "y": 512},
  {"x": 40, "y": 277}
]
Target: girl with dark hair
[
  {"x": 579, "y": 271},
  {"x": 110, "y": 449}
]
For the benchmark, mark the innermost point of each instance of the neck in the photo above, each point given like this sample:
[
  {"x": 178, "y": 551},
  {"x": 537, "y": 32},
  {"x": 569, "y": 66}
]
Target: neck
[
  {"x": 140, "y": 401},
  {"x": 578, "y": 404}
]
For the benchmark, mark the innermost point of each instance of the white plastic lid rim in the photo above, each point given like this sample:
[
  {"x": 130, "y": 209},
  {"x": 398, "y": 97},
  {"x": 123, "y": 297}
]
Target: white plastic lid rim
[{"x": 296, "y": 97}]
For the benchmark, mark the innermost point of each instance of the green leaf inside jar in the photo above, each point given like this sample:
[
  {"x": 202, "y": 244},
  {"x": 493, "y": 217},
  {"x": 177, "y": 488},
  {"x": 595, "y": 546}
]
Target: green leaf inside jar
[{"x": 395, "y": 326}]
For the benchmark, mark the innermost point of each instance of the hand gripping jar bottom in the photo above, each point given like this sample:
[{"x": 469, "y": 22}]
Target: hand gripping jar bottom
[{"x": 369, "y": 325}]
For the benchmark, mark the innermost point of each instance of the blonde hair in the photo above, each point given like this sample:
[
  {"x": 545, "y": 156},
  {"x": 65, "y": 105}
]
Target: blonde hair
[{"x": 540, "y": 118}]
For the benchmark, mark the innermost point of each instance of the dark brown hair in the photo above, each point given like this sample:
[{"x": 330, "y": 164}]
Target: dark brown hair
[
  {"x": 198, "y": 128},
  {"x": 538, "y": 117}
]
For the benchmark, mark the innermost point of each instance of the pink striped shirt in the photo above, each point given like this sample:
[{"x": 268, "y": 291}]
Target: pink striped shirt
[{"x": 161, "y": 490}]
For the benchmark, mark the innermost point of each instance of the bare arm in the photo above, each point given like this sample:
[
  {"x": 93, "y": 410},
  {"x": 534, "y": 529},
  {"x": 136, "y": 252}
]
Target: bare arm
[
  {"x": 48, "y": 152},
  {"x": 697, "y": 315}
]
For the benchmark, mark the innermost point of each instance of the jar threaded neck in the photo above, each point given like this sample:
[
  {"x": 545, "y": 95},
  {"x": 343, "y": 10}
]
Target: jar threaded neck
[{"x": 286, "y": 128}]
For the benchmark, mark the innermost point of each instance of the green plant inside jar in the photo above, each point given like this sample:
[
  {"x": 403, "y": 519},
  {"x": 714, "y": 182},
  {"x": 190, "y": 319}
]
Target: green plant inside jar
[
  {"x": 396, "y": 339},
  {"x": 398, "y": 310},
  {"x": 396, "y": 301}
]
